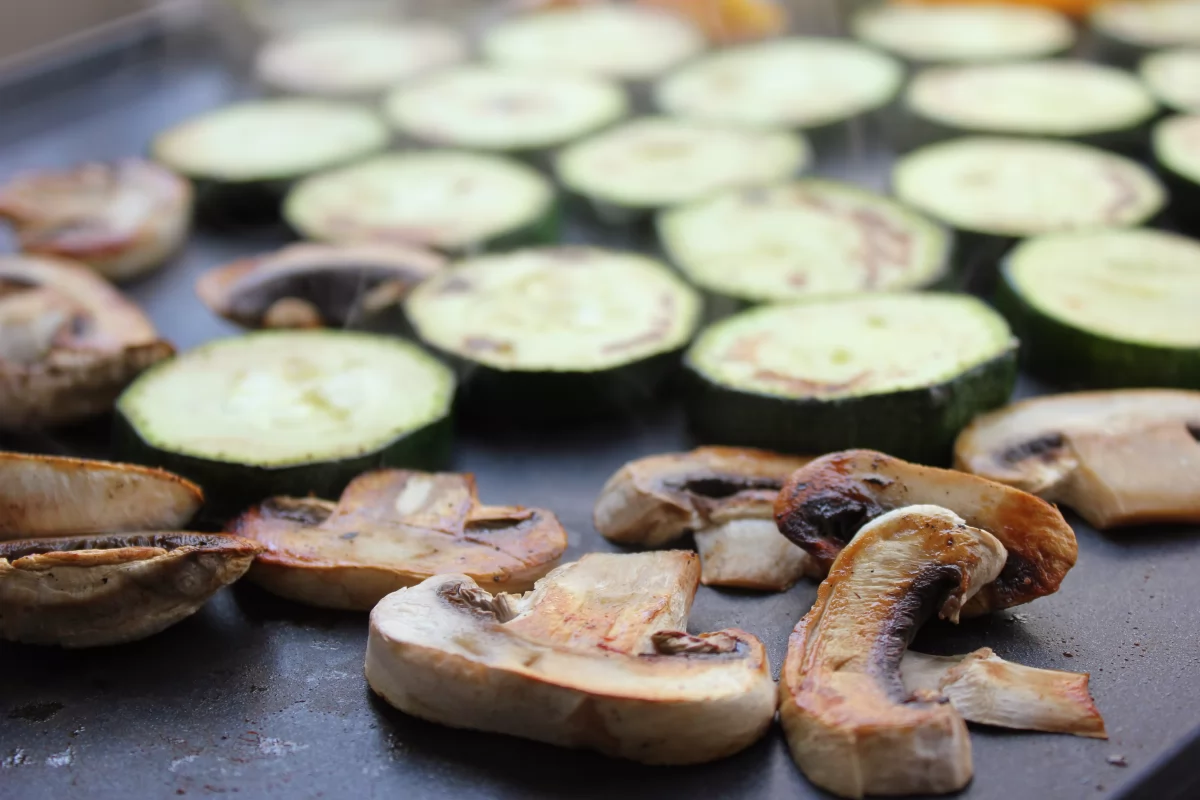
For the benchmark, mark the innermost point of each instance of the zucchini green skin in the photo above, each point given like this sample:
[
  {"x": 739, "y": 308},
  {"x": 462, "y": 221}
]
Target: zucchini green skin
[
  {"x": 917, "y": 424},
  {"x": 231, "y": 488},
  {"x": 1066, "y": 356}
]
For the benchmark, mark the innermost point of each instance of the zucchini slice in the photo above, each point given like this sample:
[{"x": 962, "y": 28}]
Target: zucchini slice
[
  {"x": 288, "y": 412},
  {"x": 445, "y": 199},
  {"x": 356, "y": 58},
  {"x": 657, "y": 161},
  {"x": 1177, "y": 151},
  {"x": 901, "y": 373},
  {"x": 928, "y": 34},
  {"x": 619, "y": 41},
  {"x": 1126, "y": 30},
  {"x": 550, "y": 334},
  {"x": 1173, "y": 76},
  {"x": 800, "y": 239},
  {"x": 1107, "y": 308},
  {"x": 791, "y": 83},
  {"x": 243, "y": 157},
  {"x": 501, "y": 108},
  {"x": 1077, "y": 100}
]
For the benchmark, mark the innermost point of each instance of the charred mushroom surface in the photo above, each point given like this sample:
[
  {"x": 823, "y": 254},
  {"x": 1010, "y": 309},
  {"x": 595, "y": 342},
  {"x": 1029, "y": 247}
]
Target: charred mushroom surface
[
  {"x": 1117, "y": 458},
  {"x": 725, "y": 496},
  {"x": 315, "y": 285},
  {"x": 392, "y": 529},
  {"x": 69, "y": 343},
  {"x": 594, "y": 657},
  {"x": 852, "y": 727},
  {"x": 122, "y": 219},
  {"x": 110, "y": 588},
  {"x": 824, "y": 504}
]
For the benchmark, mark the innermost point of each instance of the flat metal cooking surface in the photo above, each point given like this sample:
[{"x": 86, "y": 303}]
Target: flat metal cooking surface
[{"x": 258, "y": 697}]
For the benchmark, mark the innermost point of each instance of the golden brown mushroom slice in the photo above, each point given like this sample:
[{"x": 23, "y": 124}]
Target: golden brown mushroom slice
[
  {"x": 392, "y": 529},
  {"x": 57, "y": 496},
  {"x": 1125, "y": 457},
  {"x": 725, "y": 496},
  {"x": 852, "y": 727},
  {"x": 594, "y": 657},
  {"x": 122, "y": 219},
  {"x": 110, "y": 588},
  {"x": 826, "y": 502},
  {"x": 69, "y": 343},
  {"x": 315, "y": 285}
]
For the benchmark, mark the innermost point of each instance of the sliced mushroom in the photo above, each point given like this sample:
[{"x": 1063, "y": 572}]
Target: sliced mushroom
[
  {"x": 1118, "y": 458},
  {"x": 55, "y": 496},
  {"x": 315, "y": 285},
  {"x": 392, "y": 529},
  {"x": 114, "y": 587},
  {"x": 725, "y": 495},
  {"x": 985, "y": 688},
  {"x": 69, "y": 343},
  {"x": 122, "y": 219},
  {"x": 825, "y": 503},
  {"x": 594, "y": 657},
  {"x": 852, "y": 727}
]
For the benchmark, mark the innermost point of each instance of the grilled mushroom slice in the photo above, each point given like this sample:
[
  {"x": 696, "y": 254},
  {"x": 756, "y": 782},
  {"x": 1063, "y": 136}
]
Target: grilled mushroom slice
[
  {"x": 1118, "y": 458},
  {"x": 392, "y": 529},
  {"x": 594, "y": 657},
  {"x": 69, "y": 343},
  {"x": 315, "y": 285},
  {"x": 825, "y": 503},
  {"x": 122, "y": 219},
  {"x": 725, "y": 496},
  {"x": 56, "y": 496},
  {"x": 851, "y": 725},
  {"x": 985, "y": 688},
  {"x": 113, "y": 587}
]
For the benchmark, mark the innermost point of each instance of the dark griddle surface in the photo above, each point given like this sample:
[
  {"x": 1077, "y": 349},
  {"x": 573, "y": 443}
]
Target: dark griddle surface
[{"x": 261, "y": 698}]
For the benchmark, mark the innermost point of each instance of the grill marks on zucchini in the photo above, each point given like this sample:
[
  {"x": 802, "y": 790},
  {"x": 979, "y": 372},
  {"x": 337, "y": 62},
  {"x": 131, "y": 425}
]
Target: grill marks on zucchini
[{"x": 800, "y": 239}]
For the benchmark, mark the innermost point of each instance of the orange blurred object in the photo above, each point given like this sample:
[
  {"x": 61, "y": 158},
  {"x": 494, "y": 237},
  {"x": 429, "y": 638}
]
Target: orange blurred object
[
  {"x": 726, "y": 21},
  {"x": 1073, "y": 8}
]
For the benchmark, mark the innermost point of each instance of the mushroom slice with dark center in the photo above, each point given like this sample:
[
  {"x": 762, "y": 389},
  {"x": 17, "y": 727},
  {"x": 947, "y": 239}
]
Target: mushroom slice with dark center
[
  {"x": 594, "y": 657},
  {"x": 1118, "y": 458},
  {"x": 122, "y": 219},
  {"x": 110, "y": 588},
  {"x": 825, "y": 503},
  {"x": 985, "y": 688},
  {"x": 314, "y": 285},
  {"x": 851, "y": 725},
  {"x": 392, "y": 529},
  {"x": 56, "y": 496},
  {"x": 69, "y": 343},
  {"x": 725, "y": 496}
]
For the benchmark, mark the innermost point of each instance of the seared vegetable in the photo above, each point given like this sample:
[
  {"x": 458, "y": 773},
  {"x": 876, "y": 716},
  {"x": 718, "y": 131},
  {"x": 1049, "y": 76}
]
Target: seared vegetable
[
  {"x": 901, "y": 373},
  {"x": 605, "y": 634},
  {"x": 1177, "y": 150},
  {"x": 1117, "y": 458},
  {"x": 69, "y": 343}
]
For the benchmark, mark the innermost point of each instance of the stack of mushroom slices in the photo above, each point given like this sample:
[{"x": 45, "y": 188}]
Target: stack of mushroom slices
[
  {"x": 393, "y": 529},
  {"x": 316, "y": 285},
  {"x": 861, "y": 715},
  {"x": 91, "y": 554},
  {"x": 1118, "y": 458},
  {"x": 596, "y": 656},
  {"x": 69, "y": 343}
]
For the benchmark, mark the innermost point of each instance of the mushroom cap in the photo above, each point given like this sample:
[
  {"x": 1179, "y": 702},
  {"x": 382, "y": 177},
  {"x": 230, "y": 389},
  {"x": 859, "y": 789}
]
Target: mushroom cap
[
  {"x": 337, "y": 281},
  {"x": 57, "y": 496},
  {"x": 851, "y": 726},
  {"x": 69, "y": 342},
  {"x": 392, "y": 529},
  {"x": 825, "y": 503},
  {"x": 595, "y": 657},
  {"x": 110, "y": 588},
  {"x": 122, "y": 218},
  {"x": 1122, "y": 457}
]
